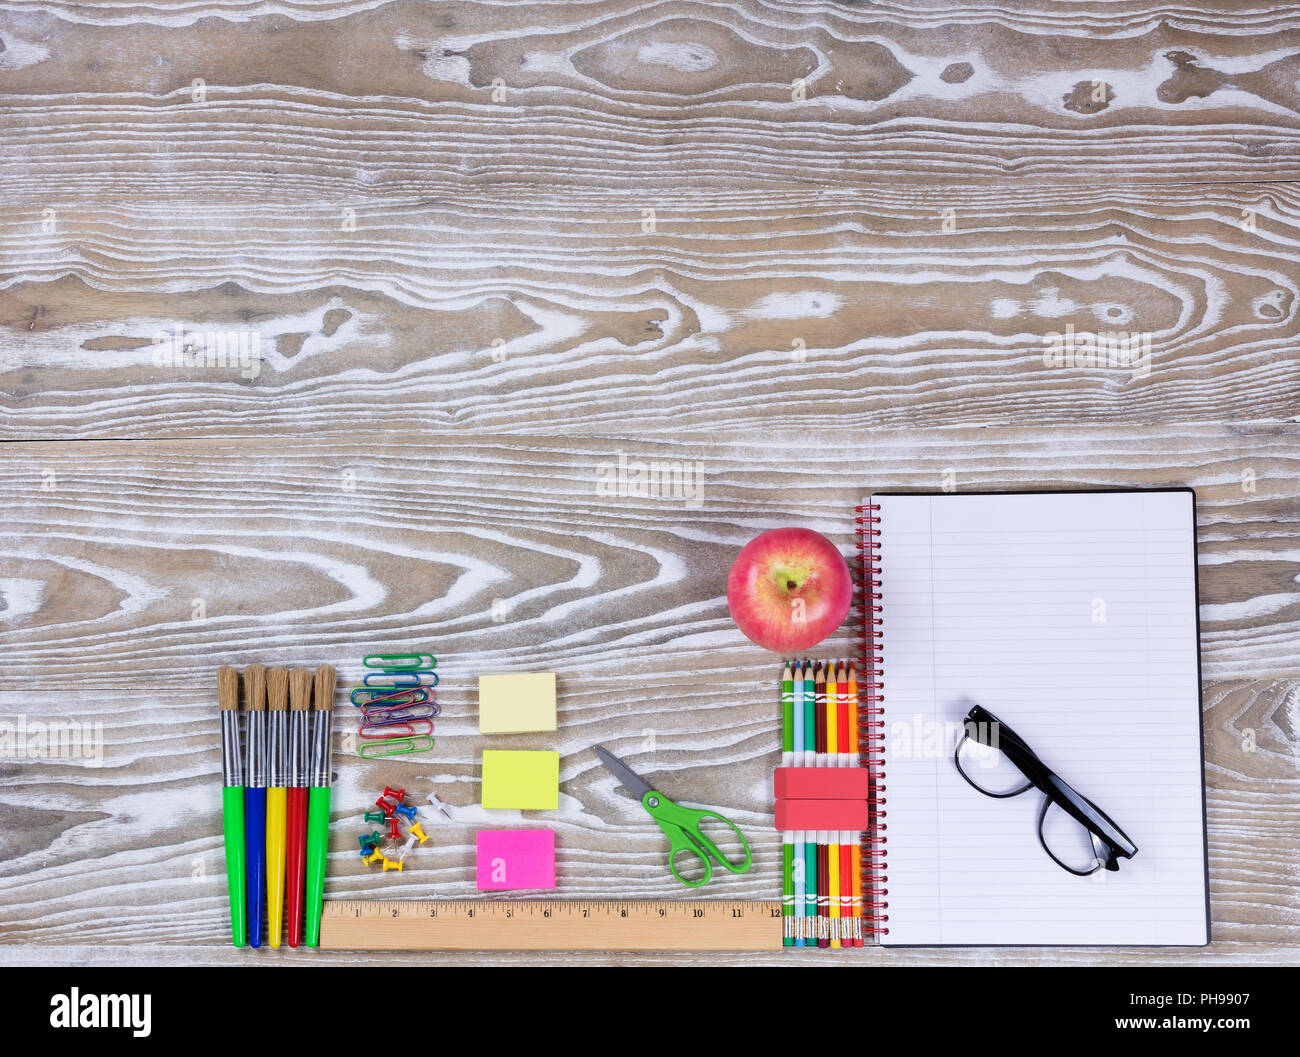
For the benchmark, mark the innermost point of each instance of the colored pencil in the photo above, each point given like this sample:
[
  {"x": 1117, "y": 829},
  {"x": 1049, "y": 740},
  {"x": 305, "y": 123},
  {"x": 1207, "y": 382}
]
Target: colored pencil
[
  {"x": 810, "y": 836},
  {"x": 295, "y": 836},
  {"x": 318, "y": 803},
  {"x": 232, "y": 801},
  {"x": 799, "y": 866},
  {"x": 833, "y": 760},
  {"x": 823, "y": 837},
  {"x": 846, "y": 838},
  {"x": 787, "y": 838},
  {"x": 277, "y": 776},
  {"x": 255, "y": 799},
  {"x": 855, "y": 850}
]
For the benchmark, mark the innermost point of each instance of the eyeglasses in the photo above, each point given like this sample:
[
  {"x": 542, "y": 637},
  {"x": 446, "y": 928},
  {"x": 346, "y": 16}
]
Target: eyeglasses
[{"x": 1109, "y": 842}]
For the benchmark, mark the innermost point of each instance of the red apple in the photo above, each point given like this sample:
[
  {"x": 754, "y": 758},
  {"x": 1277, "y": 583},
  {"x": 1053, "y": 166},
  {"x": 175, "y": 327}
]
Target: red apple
[{"x": 788, "y": 589}]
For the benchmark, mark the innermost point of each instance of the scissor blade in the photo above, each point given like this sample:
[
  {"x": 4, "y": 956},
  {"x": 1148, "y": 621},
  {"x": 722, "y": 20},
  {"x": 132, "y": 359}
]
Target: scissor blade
[{"x": 627, "y": 778}]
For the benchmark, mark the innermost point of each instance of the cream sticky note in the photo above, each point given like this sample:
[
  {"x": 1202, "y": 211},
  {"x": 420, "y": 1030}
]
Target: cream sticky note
[
  {"x": 516, "y": 704},
  {"x": 527, "y": 781}
]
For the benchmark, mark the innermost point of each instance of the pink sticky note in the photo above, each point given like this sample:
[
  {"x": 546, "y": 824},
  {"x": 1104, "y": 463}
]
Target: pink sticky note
[{"x": 510, "y": 859}]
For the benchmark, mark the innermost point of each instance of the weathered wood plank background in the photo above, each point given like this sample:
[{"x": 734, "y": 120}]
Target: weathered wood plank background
[{"x": 812, "y": 249}]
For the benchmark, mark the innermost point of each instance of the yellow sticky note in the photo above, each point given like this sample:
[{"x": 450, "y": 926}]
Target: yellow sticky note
[
  {"x": 527, "y": 781},
  {"x": 516, "y": 704}
]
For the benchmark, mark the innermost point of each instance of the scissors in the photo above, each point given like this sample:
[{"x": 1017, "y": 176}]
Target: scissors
[{"x": 681, "y": 825}]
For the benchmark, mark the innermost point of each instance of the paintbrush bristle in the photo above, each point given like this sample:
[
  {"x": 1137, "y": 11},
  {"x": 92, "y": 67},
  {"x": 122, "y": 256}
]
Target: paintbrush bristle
[
  {"x": 277, "y": 689},
  {"x": 255, "y": 687},
  {"x": 326, "y": 679},
  {"x": 228, "y": 689},
  {"x": 300, "y": 689}
]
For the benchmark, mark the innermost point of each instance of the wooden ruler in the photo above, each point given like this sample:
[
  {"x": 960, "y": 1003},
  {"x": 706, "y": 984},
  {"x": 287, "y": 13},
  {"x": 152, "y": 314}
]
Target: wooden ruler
[{"x": 550, "y": 925}]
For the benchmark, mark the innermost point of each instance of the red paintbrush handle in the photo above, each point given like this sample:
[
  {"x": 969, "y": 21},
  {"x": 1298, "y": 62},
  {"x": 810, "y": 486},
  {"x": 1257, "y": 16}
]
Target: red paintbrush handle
[{"x": 295, "y": 859}]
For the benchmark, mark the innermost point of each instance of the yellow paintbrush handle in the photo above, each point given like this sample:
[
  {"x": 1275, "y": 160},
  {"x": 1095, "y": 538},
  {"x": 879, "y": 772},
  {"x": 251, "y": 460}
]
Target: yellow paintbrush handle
[{"x": 275, "y": 830}]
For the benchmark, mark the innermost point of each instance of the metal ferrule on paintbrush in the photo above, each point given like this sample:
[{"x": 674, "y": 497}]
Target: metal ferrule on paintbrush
[
  {"x": 232, "y": 760},
  {"x": 277, "y": 757},
  {"x": 318, "y": 765}
]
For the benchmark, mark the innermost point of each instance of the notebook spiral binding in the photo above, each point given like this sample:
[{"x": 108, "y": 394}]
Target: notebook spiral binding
[{"x": 871, "y": 722}]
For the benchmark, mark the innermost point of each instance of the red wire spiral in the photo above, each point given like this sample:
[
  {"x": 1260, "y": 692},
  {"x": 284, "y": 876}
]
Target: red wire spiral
[{"x": 871, "y": 723}]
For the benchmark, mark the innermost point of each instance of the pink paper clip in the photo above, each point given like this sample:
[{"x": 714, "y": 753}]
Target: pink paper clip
[
  {"x": 378, "y": 715},
  {"x": 395, "y": 730}
]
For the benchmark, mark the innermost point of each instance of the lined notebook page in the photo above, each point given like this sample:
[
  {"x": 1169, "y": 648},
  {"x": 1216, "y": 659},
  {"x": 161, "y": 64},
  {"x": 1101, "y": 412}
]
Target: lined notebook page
[{"x": 1071, "y": 617}]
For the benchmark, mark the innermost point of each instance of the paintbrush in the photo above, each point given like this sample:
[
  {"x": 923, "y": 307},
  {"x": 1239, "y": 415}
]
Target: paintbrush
[
  {"x": 318, "y": 806},
  {"x": 232, "y": 800}
]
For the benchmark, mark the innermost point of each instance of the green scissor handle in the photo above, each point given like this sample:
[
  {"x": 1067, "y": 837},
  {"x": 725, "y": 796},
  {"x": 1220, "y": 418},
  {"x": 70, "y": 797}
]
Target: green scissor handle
[{"x": 681, "y": 825}]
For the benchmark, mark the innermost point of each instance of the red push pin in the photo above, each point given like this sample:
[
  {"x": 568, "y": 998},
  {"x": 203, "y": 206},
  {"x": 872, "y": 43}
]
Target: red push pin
[
  {"x": 393, "y": 831},
  {"x": 395, "y": 794},
  {"x": 385, "y": 807}
]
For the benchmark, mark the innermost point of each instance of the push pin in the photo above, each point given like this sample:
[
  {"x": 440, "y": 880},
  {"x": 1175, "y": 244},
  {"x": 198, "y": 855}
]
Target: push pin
[
  {"x": 406, "y": 848},
  {"x": 416, "y": 831},
  {"x": 393, "y": 831},
  {"x": 385, "y": 807},
  {"x": 374, "y": 857},
  {"x": 395, "y": 794},
  {"x": 375, "y": 816},
  {"x": 438, "y": 805},
  {"x": 390, "y": 865},
  {"x": 407, "y": 813}
]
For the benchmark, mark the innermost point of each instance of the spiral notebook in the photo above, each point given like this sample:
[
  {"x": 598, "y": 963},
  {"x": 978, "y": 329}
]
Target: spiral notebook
[{"x": 1071, "y": 616}]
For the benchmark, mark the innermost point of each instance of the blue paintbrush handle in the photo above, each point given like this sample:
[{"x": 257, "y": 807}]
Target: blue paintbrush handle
[{"x": 255, "y": 855}]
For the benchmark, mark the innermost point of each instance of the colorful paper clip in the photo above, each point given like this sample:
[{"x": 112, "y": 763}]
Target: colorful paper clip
[
  {"x": 408, "y": 695},
  {"x": 400, "y": 661},
  {"x": 381, "y": 715},
  {"x": 399, "y": 680},
  {"x": 394, "y": 729},
  {"x": 394, "y": 747}
]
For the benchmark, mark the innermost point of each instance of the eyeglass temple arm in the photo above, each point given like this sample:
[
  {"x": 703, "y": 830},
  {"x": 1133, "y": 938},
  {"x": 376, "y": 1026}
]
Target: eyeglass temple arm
[{"x": 1085, "y": 812}]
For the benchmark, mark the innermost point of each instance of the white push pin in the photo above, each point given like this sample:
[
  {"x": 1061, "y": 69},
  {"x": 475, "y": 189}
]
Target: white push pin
[{"x": 439, "y": 805}]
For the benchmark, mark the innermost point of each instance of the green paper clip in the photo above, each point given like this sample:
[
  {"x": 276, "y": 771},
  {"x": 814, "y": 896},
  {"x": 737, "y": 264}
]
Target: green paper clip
[
  {"x": 400, "y": 662},
  {"x": 395, "y": 747}
]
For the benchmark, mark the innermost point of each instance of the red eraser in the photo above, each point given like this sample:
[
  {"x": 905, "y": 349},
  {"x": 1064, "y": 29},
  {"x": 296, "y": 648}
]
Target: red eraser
[
  {"x": 821, "y": 783},
  {"x": 822, "y": 814}
]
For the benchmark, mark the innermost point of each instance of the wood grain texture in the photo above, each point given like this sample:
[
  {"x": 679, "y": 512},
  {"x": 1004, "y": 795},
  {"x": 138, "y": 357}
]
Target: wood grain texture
[
  {"x": 621, "y": 594},
  {"x": 796, "y": 250},
  {"x": 408, "y": 98},
  {"x": 545, "y": 313}
]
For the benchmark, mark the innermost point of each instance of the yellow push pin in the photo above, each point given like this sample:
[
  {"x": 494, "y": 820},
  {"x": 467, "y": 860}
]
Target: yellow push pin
[
  {"x": 416, "y": 831},
  {"x": 374, "y": 857},
  {"x": 390, "y": 865}
]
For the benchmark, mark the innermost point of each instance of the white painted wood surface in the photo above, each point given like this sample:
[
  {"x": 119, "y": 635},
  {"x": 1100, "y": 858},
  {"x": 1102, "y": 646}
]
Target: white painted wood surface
[{"x": 464, "y": 308}]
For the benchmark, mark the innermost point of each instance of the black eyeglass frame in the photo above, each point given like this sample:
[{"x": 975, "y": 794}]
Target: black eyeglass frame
[{"x": 1109, "y": 842}]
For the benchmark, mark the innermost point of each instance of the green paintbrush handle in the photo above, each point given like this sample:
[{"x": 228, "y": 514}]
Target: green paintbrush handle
[
  {"x": 318, "y": 842},
  {"x": 232, "y": 813}
]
